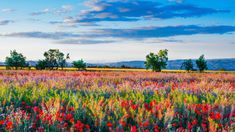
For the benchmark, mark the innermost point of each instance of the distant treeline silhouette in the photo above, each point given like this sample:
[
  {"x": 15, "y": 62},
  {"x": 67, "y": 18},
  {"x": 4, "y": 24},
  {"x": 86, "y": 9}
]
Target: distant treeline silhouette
[{"x": 54, "y": 59}]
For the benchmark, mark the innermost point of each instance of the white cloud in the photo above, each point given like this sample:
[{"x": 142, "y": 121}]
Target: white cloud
[
  {"x": 7, "y": 10},
  {"x": 177, "y": 1},
  {"x": 63, "y": 10}
]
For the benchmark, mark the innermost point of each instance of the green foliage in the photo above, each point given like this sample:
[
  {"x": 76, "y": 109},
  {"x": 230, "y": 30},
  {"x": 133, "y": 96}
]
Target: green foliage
[
  {"x": 53, "y": 59},
  {"x": 16, "y": 60},
  {"x": 201, "y": 63},
  {"x": 80, "y": 64},
  {"x": 41, "y": 65},
  {"x": 187, "y": 65},
  {"x": 157, "y": 61}
]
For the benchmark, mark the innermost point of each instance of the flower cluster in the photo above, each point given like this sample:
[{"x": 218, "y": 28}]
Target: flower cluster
[{"x": 116, "y": 101}]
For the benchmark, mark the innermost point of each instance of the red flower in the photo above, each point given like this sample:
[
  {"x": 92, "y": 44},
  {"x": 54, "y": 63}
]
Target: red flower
[
  {"x": 133, "y": 129},
  {"x": 194, "y": 122},
  {"x": 212, "y": 115},
  {"x": 87, "y": 126},
  {"x": 35, "y": 109},
  {"x": 1, "y": 122},
  {"x": 69, "y": 116},
  {"x": 203, "y": 124},
  {"x": 190, "y": 126},
  {"x": 123, "y": 123},
  {"x": 9, "y": 125},
  {"x": 156, "y": 128},
  {"x": 134, "y": 107},
  {"x": 146, "y": 124},
  {"x": 174, "y": 124},
  {"x": 218, "y": 116},
  {"x": 71, "y": 109},
  {"x": 65, "y": 124},
  {"x": 109, "y": 124},
  {"x": 79, "y": 125},
  {"x": 59, "y": 119},
  {"x": 40, "y": 129}
]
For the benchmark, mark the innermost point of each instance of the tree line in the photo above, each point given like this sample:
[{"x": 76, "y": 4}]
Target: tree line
[
  {"x": 158, "y": 61},
  {"x": 55, "y": 59}
]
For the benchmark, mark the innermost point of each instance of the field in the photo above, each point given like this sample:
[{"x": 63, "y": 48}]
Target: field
[{"x": 116, "y": 101}]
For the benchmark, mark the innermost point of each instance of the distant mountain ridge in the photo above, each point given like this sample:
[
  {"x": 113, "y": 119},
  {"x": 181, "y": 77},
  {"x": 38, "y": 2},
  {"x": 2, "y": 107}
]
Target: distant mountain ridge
[{"x": 213, "y": 64}]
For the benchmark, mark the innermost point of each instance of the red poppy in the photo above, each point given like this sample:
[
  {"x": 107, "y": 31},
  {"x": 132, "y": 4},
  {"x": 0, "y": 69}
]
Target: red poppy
[
  {"x": 9, "y": 125},
  {"x": 1, "y": 122},
  {"x": 203, "y": 124},
  {"x": 174, "y": 124},
  {"x": 133, "y": 129},
  {"x": 79, "y": 125},
  {"x": 40, "y": 129},
  {"x": 218, "y": 116},
  {"x": 134, "y": 107},
  {"x": 69, "y": 116},
  {"x": 123, "y": 123},
  {"x": 87, "y": 126},
  {"x": 190, "y": 126},
  {"x": 156, "y": 128},
  {"x": 35, "y": 109},
  {"x": 65, "y": 124},
  {"x": 109, "y": 124},
  {"x": 194, "y": 122},
  {"x": 146, "y": 124}
]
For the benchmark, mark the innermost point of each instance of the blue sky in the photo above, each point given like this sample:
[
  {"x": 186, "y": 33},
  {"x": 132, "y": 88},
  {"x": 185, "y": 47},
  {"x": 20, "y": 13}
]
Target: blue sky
[{"x": 116, "y": 30}]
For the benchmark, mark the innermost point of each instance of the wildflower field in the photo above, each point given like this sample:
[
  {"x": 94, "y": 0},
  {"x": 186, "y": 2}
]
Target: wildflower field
[{"x": 116, "y": 101}]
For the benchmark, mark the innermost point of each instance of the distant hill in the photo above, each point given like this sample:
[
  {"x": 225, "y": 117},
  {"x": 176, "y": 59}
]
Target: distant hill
[
  {"x": 2, "y": 63},
  {"x": 213, "y": 64}
]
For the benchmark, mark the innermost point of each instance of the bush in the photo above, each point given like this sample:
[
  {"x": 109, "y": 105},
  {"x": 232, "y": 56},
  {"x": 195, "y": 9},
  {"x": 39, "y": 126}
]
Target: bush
[{"x": 80, "y": 65}]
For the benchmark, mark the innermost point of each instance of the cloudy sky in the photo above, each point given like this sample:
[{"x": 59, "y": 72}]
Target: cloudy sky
[{"x": 115, "y": 30}]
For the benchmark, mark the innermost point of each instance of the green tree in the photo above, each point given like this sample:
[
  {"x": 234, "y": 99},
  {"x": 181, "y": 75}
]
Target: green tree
[
  {"x": 187, "y": 65},
  {"x": 54, "y": 59},
  {"x": 157, "y": 62},
  {"x": 16, "y": 60},
  {"x": 201, "y": 63},
  {"x": 62, "y": 60},
  {"x": 41, "y": 65},
  {"x": 80, "y": 65}
]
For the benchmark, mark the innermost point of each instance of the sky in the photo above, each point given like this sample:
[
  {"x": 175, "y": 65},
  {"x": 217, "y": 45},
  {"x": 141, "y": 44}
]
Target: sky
[{"x": 118, "y": 30}]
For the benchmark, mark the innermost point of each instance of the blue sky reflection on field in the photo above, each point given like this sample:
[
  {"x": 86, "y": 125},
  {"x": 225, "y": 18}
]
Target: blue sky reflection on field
[{"x": 115, "y": 30}]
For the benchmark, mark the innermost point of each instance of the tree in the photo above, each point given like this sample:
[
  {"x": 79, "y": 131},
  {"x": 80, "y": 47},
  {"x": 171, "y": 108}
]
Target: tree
[
  {"x": 16, "y": 60},
  {"x": 41, "y": 65},
  {"x": 201, "y": 63},
  {"x": 62, "y": 60},
  {"x": 54, "y": 59},
  {"x": 80, "y": 65},
  {"x": 187, "y": 65},
  {"x": 157, "y": 62}
]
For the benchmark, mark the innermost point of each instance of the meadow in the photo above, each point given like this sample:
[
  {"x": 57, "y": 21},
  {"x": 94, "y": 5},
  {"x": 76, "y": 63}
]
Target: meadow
[{"x": 116, "y": 101}]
